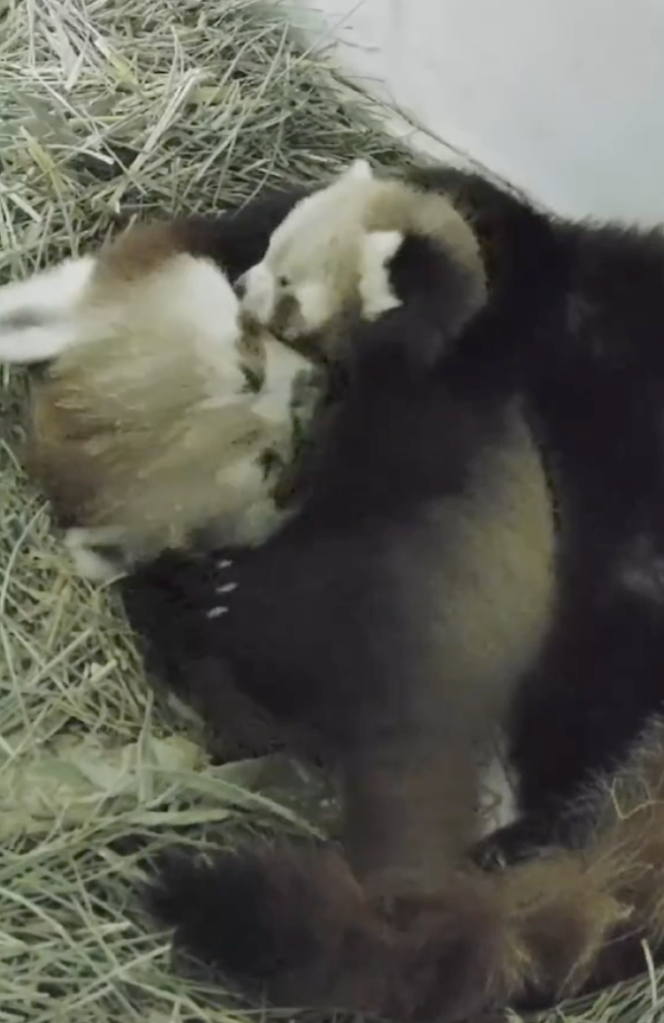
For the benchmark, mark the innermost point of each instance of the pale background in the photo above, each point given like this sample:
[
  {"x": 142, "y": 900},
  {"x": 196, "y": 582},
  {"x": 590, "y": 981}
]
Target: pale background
[{"x": 564, "y": 98}]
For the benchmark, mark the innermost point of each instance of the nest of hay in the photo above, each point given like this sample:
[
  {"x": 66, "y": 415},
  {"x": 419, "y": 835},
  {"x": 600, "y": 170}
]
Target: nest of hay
[{"x": 108, "y": 109}]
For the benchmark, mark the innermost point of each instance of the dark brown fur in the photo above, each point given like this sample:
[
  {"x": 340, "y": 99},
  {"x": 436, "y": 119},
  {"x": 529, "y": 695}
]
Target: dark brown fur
[
  {"x": 404, "y": 621},
  {"x": 574, "y": 326}
]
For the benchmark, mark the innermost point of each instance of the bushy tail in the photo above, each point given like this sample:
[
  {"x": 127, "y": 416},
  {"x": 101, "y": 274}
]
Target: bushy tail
[
  {"x": 37, "y": 321},
  {"x": 293, "y": 921}
]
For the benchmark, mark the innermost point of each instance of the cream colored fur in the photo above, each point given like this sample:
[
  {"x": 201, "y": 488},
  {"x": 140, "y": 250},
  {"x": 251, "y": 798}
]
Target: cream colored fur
[
  {"x": 328, "y": 260},
  {"x": 144, "y": 429}
]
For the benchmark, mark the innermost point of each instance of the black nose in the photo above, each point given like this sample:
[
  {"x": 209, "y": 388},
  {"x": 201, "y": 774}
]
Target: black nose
[{"x": 240, "y": 286}]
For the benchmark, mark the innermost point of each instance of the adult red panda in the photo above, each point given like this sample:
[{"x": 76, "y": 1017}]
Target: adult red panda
[{"x": 324, "y": 631}]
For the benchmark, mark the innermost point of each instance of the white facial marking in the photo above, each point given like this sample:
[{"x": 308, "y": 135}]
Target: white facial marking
[
  {"x": 313, "y": 299},
  {"x": 314, "y": 236},
  {"x": 376, "y": 294},
  {"x": 260, "y": 295}
]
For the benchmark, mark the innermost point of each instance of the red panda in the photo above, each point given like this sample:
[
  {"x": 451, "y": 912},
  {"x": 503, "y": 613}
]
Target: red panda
[
  {"x": 161, "y": 412},
  {"x": 401, "y": 922},
  {"x": 358, "y": 248}
]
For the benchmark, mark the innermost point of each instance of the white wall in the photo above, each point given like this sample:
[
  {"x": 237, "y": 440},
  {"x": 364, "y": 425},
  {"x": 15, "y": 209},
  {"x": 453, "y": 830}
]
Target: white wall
[{"x": 564, "y": 98}]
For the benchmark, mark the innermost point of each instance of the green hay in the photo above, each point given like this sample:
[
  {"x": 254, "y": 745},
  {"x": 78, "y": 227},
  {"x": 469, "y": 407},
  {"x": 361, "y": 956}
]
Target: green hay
[{"x": 109, "y": 108}]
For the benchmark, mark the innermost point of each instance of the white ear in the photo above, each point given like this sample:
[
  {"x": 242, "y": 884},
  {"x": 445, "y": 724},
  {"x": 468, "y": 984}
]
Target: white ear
[
  {"x": 374, "y": 287},
  {"x": 379, "y": 246},
  {"x": 37, "y": 316},
  {"x": 359, "y": 170}
]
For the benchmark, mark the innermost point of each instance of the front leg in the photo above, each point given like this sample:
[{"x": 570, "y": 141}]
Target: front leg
[{"x": 174, "y": 605}]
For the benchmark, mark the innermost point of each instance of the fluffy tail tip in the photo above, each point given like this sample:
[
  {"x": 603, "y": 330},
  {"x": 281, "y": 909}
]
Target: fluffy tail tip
[{"x": 217, "y": 911}]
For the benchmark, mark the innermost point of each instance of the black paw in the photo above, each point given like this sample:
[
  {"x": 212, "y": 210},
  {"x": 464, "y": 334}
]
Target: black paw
[
  {"x": 219, "y": 911},
  {"x": 249, "y": 914}
]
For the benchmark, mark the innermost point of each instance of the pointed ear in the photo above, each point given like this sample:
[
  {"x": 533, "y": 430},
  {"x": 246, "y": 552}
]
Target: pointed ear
[
  {"x": 381, "y": 246},
  {"x": 376, "y": 294},
  {"x": 38, "y": 315},
  {"x": 359, "y": 170}
]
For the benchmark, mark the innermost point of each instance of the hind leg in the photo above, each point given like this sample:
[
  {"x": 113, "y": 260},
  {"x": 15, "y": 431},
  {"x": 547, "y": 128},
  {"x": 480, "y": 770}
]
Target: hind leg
[{"x": 409, "y": 809}]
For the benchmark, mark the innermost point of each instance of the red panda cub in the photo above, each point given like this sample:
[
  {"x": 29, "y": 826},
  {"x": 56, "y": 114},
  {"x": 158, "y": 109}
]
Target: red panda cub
[
  {"x": 160, "y": 413},
  {"x": 356, "y": 250}
]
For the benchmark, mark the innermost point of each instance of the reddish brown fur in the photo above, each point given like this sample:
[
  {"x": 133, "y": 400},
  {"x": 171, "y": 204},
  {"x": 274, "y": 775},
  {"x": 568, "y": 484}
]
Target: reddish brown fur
[
  {"x": 563, "y": 923},
  {"x": 88, "y": 462},
  {"x": 143, "y": 248},
  {"x": 297, "y": 922},
  {"x": 55, "y": 452},
  {"x": 138, "y": 251}
]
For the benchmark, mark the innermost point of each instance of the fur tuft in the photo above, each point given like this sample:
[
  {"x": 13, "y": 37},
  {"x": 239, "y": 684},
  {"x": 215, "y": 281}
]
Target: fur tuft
[
  {"x": 214, "y": 908},
  {"x": 38, "y": 316},
  {"x": 359, "y": 170},
  {"x": 286, "y": 918}
]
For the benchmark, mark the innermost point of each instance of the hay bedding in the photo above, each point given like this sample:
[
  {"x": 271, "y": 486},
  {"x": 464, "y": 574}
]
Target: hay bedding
[{"x": 109, "y": 108}]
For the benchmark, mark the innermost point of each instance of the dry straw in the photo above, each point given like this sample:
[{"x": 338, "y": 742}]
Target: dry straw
[{"x": 109, "y": 108}]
